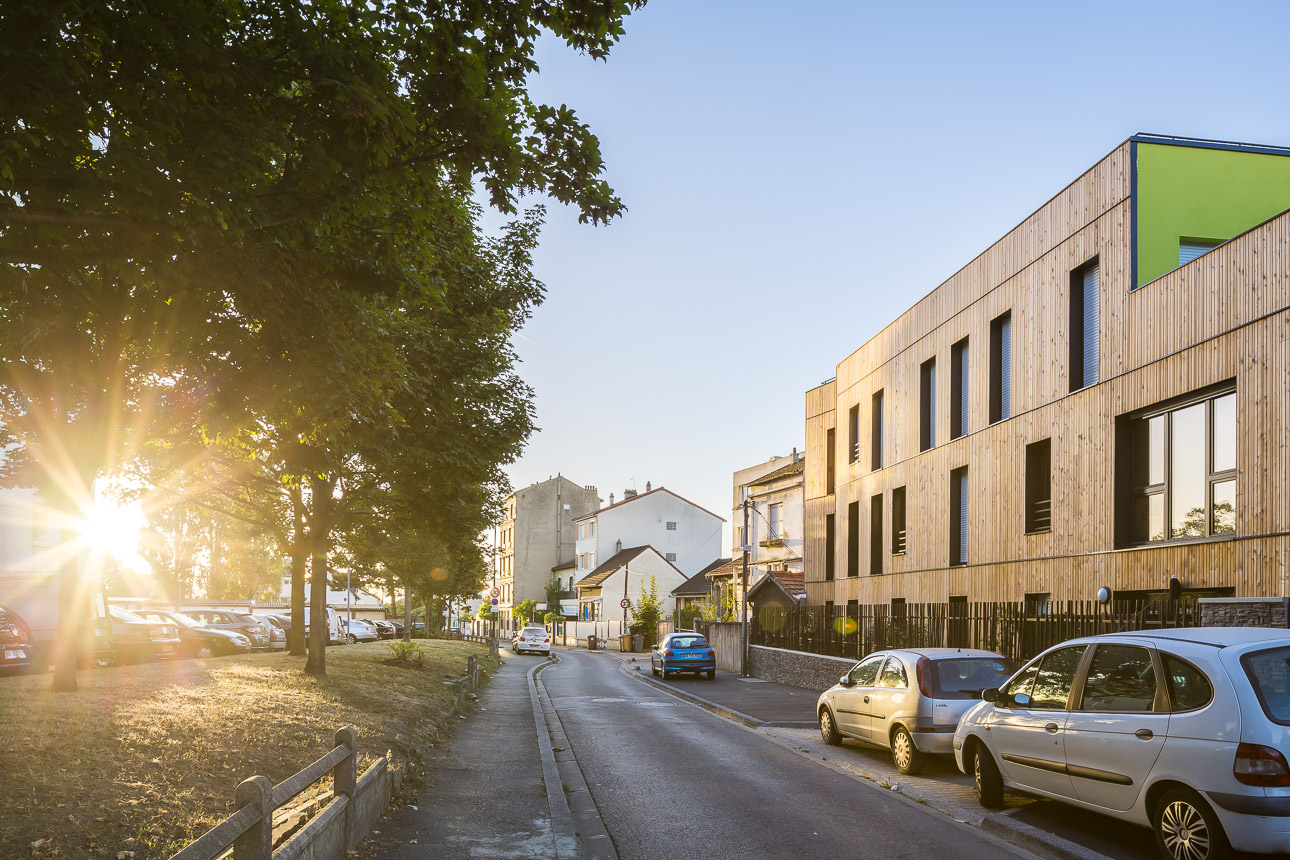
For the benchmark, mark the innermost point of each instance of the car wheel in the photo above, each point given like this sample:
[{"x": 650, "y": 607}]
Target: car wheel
[
  {"x": 1186, "y": 828},
  {"x": 662, "y": 671},
  {"x": 904, "y": 754},
  {"x": 653, "y": 670},
  {"x": 102, "y": 662},
  {"x": 350, "y": 639},
  {"x": 712, "y": 674},
  {"x": 828, "y": 730},
  {"x": 989, "y": 782}
]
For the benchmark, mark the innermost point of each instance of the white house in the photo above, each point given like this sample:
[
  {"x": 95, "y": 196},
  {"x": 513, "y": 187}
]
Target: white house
[
  {"x": 684, "y": 534},
  {"x": 625, "y": 575}
]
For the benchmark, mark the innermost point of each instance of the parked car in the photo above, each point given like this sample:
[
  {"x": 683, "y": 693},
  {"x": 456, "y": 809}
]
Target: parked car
[
  {"x": 335, "y": 630},
  {"x": 140, "y": 640},
  {"x": 15, "y": 642},
  {"x": 223, "y": 619},
  {"x": 196, "y": 640},
  {"x": 683, "y": 652},
  {"x": 359, "y": 630},
  {"x": 1183, "y": 731},
  {"x": 385, "y": 629},
  {"x": 33, "y": 597},
  {"x": 277, "y": 630},
  {"x": 535, "y": 639},
  {"x": 877, "y": 703}
]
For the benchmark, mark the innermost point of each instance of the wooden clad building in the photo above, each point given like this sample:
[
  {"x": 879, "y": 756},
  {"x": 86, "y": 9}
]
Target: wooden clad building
[{"x": 1100, "y": 399}]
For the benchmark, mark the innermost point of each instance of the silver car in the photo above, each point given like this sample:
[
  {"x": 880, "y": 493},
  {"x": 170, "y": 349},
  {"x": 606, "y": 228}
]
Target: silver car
[{"x": 909, "y": 700}]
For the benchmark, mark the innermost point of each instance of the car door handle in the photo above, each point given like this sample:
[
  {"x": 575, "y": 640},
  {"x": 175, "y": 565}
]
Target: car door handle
[
  {"x": 1145, "y": 734},
  {"x": 866, "y": 700},
  {"x": 1051, "y": 728}
]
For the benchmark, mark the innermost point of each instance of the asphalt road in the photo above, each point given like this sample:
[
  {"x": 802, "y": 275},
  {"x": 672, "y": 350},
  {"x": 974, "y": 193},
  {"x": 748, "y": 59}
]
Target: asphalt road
[{"x": 672, "y": 780}]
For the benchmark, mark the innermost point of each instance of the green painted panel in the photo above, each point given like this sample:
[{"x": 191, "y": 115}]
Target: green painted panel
[{"x": 1194, "y": 193}]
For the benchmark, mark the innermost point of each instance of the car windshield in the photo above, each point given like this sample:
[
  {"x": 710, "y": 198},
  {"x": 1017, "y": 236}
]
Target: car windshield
[
  {"x": 122, "y": 615},
  {"x": 688, "y": 642},
  {"x": 1269, "y": 674},
  {"x": 966, "y": 677}
]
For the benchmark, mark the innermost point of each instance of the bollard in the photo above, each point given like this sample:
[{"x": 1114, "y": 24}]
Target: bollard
[{"x": 256, "y": 843}]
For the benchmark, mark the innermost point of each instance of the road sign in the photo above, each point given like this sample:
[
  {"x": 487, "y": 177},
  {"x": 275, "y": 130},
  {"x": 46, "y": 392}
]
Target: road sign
[
  {"x": 624, "y": 603},
  {"x": 494, "y": 601},
  {"x": 494, "y": 592}
]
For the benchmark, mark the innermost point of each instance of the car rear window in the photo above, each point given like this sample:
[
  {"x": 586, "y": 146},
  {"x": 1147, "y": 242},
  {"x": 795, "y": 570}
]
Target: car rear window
[
  {"x": 1269, "y": 674},
  {"x": 688, "y": 642},
  {"x": 966, "y": 677},
  {"x": 1188, "y": 687}
]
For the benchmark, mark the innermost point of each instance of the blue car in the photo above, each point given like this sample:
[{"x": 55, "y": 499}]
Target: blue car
[{"x": 683, "y": 652}]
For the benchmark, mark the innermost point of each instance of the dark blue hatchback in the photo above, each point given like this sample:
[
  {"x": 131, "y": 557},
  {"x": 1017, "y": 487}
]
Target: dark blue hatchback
[{"x": 683, "y": 652}]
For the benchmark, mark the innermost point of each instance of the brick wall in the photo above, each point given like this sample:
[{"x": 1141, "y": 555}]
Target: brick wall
[
  {"x": 797, "y": 668},
  {"x": 1242, "y": 612}
]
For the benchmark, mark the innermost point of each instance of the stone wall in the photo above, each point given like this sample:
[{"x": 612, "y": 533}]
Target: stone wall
[
  {"x": 797, "y": 668},
  {"x": 1243, "y": 612}
]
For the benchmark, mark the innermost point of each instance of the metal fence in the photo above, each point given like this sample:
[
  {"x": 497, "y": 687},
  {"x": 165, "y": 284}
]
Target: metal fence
[{"x": 1017, "y": 630}]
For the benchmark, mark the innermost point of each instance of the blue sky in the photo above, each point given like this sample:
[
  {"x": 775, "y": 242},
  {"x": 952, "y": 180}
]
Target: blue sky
[{"x": 798, "y": 174}]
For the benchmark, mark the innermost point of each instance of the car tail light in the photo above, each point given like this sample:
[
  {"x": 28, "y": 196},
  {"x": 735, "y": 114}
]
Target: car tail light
[
  {"x": 922, "y": 677},
  {"x": 667, "y": 652},
  {"x": 712, "y": 655},
  {"x": 1259, "y": 765},
  {"x": 250, "y": 628}
]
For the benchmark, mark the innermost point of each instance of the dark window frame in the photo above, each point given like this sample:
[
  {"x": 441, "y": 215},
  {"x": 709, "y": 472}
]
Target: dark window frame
[
  {"x": 830, "y": 546},
  {"x": 853, "y": 424},
  {"x": 875, "y": 432},
  {"x": 853, "y": 540},
  {"x": 927, "y": 405},
  {"x": 899, "y": 535},
  {"x": 1039, "y": 487},
  {"x": 998, "y": 370},
  {"x": 958, "y": 539},
  {"x": 875, "y": 535},
  {"x": 1078, "y": 310},
  {"x": 960, "y": 388},
  {"x": 830, "y": 461}
]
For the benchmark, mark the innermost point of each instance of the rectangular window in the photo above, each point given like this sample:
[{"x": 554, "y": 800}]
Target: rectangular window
[
  {"x": 875, "y": 453},
  {"x": 875, "y": 535},
  {"x": 591, "y": 529},
  {"x": 739, "y": 538},
  {"x": 582, "y": 531},
  {"x": 775, "y": 524},
  {"x": 591, "y": 559},
  {"x": 854, "y": 416},
  {"x": 1177, "y": 475},
  {"x": 927, "y": 405},
  {"x": 958, "y": 515},
  {"x": 671, "y": 525},
  {"x": 830, "y": 460},
  {"x": 853, "y": 539},
  {"x": 898, "y": 521},
  {"x": 1039, "y": 487},
  {"x": 830, "y": 546},
  {"x": 959, "y": 389},
  {"x": 671, "y": 556},
  {"x": 1190, "y": 249},
  {"x": 1085, "y": 291},
  {"x": 1001, "y": 368}
]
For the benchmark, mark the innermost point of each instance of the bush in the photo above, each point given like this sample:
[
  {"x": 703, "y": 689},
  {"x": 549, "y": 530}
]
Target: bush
[
  {"x": 407, "y": 653},
  {"x": 552, "y": 617}
]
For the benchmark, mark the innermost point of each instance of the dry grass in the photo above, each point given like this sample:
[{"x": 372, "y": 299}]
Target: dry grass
[{"x": 145, "y": 758}]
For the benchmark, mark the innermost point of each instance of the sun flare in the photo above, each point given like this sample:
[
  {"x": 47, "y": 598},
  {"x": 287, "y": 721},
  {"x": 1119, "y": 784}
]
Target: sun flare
[{"x": 112, "y": 528}]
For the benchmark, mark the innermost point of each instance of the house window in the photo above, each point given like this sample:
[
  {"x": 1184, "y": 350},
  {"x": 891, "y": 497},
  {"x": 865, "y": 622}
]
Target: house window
[
  {"x": 875, "y": 535},
  {"x": 1039, "y": 487},
  {"x": 591, "y": 559},
  {"x": 1177, "y": 477},
  {"x": 898, "y": 521},
  {"x": 582, "y": 561},
  {"x": 671, "y": 525},
  {"x": 671, "y": 556},
  {"x": 775, "y": 524},
  {"x": 830, "y": 461},
  {"x": 854, "y": 420},
  {"x": 571, "y": 582},
  {"x": 1190, "y": 249},
  {"x": 959, "y": 389},
  {"x": 591, "y": 529},
  {"x": 830, "y": 546},
  {"x": 582, "y": 531},
  {"x": 853, "y": 539},
  {"x": 958, "y": 515},
  {"x": 1001, "y": 368},
  {"x": 1084, "y": 326},
  {"x": 875, "y": 453},
  {"x": 927, "y": 405}
]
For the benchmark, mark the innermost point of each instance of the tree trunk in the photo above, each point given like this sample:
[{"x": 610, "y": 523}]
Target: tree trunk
[
  {"x": 319, "y": 530},
  {"x": 299, "y": 564},
  {"x": 69, "y": 616},
  {"x": 407, "y": 612}
]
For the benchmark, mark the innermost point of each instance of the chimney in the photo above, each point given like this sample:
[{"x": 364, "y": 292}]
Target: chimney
[
  {"x": 589, "y": 488},
  {"x": 794, "y": 453},
  {"x": 611, "y": 500},
  {"x": 627, "y": 494},
  {"x": 647, "y": 486}
]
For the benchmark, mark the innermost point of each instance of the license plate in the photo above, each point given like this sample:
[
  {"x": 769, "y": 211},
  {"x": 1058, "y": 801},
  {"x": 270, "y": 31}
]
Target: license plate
[{"x": 15, "y": 654}]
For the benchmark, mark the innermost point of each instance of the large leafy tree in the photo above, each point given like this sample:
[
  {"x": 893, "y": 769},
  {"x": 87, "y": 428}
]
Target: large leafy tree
[{"x": 176, "y": 176}]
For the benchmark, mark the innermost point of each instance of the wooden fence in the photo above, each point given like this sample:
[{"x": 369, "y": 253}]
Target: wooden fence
[{"x": 1016, "y": 630}]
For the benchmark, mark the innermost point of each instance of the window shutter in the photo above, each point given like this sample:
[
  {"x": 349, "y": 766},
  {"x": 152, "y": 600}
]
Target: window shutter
[
  {"x": 1188, "y": 251},
  {"x": 963, "y": 517},
  {"x": 1090, "y": 325},
  {"x": 963, "y": 394},
  {"x": 931, "y": 406},
  {"x": 1005, "y": 368}
]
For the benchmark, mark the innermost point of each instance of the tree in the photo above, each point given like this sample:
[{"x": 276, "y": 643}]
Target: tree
[
  {"x": 525, "y": 610},
  {"x": 647, "y": 610},
  {"x": 554, "y": 589}
]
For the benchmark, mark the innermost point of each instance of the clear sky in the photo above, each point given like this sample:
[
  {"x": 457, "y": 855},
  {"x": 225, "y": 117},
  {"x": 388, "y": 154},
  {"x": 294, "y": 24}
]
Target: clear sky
[{"x": 798, "y": 174}]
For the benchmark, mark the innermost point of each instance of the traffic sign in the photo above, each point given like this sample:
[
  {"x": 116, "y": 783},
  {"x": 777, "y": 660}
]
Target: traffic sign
[
  {"x": 624, "y": 603},
  {"x": 494, "y": 601},
  {"x": 494, "y": 592}
]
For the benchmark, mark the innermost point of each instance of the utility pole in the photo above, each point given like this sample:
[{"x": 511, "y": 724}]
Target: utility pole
[{"x": 743, "y": 615}]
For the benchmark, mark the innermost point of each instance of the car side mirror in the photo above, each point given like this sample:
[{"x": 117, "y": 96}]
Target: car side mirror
[
  {"x": 1021, "y": 700},
  {"x": 845, "y": 681},
  {"x": 990, "y": 695}
]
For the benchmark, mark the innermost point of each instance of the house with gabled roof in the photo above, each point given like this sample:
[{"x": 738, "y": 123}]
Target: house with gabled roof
[
  {"x": 698, "y": 588},
  {"x": 625, "y": 575}
]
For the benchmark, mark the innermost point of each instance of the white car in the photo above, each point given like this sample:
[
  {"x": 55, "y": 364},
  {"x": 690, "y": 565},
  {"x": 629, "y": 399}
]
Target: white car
[
  {"x": 358, "y": 630},
  {"x": 1184, "y": 731},
  {"x": 532, "y": 639}
]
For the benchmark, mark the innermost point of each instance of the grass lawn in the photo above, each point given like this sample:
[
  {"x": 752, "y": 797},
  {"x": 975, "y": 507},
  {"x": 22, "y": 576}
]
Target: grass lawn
[{"x": 145, "y": 758}]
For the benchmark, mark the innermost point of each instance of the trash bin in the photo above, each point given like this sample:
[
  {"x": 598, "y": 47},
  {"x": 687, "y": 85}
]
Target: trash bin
[
  {"x": 638, "y": 641},
  {"x": 591, "y": 643},
  {"x": 625, "y": 642}
]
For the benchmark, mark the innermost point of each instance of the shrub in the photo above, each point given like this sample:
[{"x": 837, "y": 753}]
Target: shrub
[{"x": 407, "y": 653}]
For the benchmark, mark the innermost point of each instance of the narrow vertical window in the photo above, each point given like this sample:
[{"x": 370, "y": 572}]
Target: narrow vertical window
[
  {"x": 875, "y": 454},
  {"x": 898, "y": 521},
  {"x": 830, "y": 546},
  {"x": 927, "y": 405},
  {"x": 830, "y": 461},
  {"x": 853, "y": 539},
  {"x": 775, "y": 525},
  {"x": 1001, "y": 368},
  {"x": 958, "y": 515},
  {"x": 854, "y": 422},
  {"x": 875, "y": 535},
  {"x": 1084, "y": 326},
  {"x": 959, "y": 389},
  {"x": 1039, "y": 487}
]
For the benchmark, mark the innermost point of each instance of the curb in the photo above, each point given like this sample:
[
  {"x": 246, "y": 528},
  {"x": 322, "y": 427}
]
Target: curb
[
  {"x": 1040, "y": 842},
  {"x": 572, "y": 806}
]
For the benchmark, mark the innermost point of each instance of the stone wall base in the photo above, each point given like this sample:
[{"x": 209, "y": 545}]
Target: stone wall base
[
  {"x": 797, "y": 668},
  {"x": 1243, "y": 612}
]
